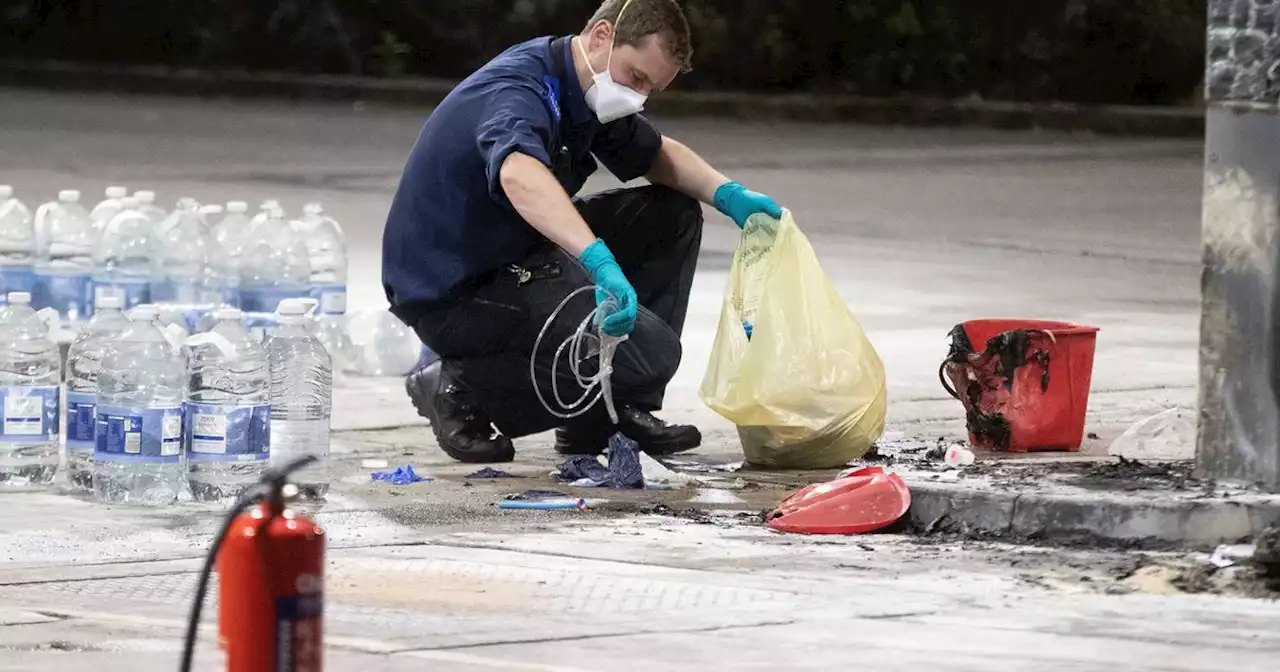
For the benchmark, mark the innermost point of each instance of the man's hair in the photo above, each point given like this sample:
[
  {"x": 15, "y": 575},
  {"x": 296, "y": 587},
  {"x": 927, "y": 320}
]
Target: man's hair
[{"x": 643, "y": 18}]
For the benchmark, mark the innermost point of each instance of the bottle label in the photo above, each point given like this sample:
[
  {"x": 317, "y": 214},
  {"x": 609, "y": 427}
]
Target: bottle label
[
  {"x": 139, "y": 434},
  {"x": 82, "y": 421},
  {"x": 16, "y": 279},
  {"x": 332, "y": 298},
  {"x": 218, "y": 433},
  {"x": 30, "y": 414},
  {"x": 266, "y": 300},
  {"x": 130, "y": 292},
  {"x": 67, "y": 294}
]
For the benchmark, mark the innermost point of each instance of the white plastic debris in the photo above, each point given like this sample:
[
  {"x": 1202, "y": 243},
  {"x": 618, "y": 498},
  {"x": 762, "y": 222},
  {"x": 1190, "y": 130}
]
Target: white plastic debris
[
  {"x": 951, "y": 476},
  {"x": 657, "y": 474},
  {"x": 375, "y": 464},
  {"x": 959, "y": 456},
  {"x": 1170, "y": 435},
  {"x": 1227, "y": 555}
]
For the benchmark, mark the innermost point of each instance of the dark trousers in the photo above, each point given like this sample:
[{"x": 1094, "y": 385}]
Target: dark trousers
[{"x": 486, "y": 336}]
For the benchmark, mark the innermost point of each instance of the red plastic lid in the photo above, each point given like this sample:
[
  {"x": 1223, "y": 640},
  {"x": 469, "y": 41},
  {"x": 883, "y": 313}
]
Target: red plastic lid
[{"x": 864, "y": 501}]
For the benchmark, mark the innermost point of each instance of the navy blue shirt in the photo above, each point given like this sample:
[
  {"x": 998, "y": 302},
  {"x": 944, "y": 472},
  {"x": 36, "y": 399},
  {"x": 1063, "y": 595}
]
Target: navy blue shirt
[{"x": 450, "y": 222}]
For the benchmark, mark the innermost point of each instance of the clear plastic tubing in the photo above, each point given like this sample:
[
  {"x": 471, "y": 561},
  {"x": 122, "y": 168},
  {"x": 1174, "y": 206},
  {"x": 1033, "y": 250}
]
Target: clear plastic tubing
[{"x": 574, "y": 343}]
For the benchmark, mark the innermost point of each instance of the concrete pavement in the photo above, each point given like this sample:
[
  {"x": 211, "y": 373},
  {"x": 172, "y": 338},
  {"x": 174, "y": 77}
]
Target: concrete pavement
[{"x": 919, "y": 229}]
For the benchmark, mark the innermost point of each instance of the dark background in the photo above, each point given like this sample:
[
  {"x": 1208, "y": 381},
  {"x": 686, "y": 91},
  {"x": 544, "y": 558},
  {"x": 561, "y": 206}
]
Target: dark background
[{"x": 1085, "y": 51}]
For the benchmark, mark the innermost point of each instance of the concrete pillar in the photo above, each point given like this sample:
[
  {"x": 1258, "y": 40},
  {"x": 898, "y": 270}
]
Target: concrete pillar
[{"x": 1239, "y": 432}]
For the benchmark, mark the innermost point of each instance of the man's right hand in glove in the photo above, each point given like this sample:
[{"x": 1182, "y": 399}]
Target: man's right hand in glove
[{"x": 611, "y": 283}]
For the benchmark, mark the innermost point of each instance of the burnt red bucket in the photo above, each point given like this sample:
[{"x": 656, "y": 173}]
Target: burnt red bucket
[{"x": 1024, "y": 383}]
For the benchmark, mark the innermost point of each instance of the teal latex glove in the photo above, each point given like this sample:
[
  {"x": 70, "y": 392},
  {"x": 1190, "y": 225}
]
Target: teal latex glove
[
  {"x": 738, "y": 203},
  {"x": 610, "y": 282}
]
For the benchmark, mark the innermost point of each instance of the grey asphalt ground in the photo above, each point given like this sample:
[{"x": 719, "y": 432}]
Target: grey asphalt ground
[{"x": 918, "y": 229}]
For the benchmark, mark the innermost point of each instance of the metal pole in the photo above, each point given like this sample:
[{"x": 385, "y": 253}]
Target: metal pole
[{"x": 1240, "y": 313}]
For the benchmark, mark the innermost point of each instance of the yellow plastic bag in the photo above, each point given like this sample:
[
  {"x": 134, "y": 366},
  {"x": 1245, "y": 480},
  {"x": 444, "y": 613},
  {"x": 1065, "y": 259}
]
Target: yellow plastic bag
[{"x": 807, "y": 390}]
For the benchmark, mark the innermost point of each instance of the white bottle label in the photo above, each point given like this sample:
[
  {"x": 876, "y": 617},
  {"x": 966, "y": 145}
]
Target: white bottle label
[
  {"x": 171, "y": 436},
  {"x": 208, "y": 433},
  {"x": 23, "y": 416}
]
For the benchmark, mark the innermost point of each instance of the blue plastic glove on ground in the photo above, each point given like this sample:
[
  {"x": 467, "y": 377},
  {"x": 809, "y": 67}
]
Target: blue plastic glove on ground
[
  {"x": 609, "y": 281},
  {"x": 738, "y": 203}
]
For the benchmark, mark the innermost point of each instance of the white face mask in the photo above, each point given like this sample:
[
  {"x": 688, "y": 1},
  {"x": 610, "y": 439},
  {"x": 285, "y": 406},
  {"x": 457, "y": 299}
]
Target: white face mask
[{"x": 610, "y": 100}]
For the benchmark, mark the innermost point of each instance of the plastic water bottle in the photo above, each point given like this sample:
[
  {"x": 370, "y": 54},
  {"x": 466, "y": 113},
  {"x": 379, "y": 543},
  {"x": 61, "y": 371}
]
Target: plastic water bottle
[
  {"x": 230, "y": 230},
  {"x": 138, "y": 458},
  {"x": 84, "y": 362},
  {"x": 122, "y": 259},
  {"x": 273, "y": 266},
  {"x": 181, "y": 251},
  {"x": 64, "y": 257},
  {"x": 221, "y": 284},
  {"x": 301, "y": 396},
  {"x": 30, "y": 370},
  {"x": 17, "y": 244},
  {"x": 264, "y": 213},
  {"x": 228, "y": 411},
  {"x": 147, "y": 205},
  {"x": 108, "y": 207},
  {"x": 382, "y": 345},
  {"x": 327, "y": 254}
]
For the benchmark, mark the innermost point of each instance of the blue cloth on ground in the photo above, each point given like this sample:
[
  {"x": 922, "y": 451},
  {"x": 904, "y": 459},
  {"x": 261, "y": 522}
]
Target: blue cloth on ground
[{"x": 623, "y": 472}]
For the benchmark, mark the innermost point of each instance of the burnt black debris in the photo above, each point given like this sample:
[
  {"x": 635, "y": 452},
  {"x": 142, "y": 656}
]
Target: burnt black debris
[{"x": 1009, "y": 352}]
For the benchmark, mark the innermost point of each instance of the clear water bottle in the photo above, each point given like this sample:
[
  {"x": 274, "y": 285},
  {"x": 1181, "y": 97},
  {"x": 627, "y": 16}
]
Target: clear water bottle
[
  {"x": 181, "y": 251},
  {"x": 172, "y": 318},
  {"x": 264, "y": 213},
  {"x": 230, "y": 231},
  {"x": 228, "y": 411},
  {"x": 274, "y": 266},
  {"x": 17, "y": 244},
  {"x": 64, "y": 257},
  {"x": 108, "y": 207},
  {"x": 382, "y": 344},
  {"x": 122, "y": 259},
  {"x": 30, "y": 370},
  {"x": 141, "y": 384},
  {"x": 222, "y": 268},
  {"x": 327, "y": 253},
  {"x": 84, "y": 361},
  {"x": 147, "y": 206},
  {"x": 301, "y": 396}
]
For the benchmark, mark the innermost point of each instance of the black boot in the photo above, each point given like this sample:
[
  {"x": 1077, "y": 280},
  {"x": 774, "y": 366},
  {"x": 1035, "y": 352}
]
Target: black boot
[
  {"x": 654, "y": 436},
  {"x": 461, "y": 428}
]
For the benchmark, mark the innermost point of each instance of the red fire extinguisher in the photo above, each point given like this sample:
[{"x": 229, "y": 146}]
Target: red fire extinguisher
[{"x": 270, "y": 564}]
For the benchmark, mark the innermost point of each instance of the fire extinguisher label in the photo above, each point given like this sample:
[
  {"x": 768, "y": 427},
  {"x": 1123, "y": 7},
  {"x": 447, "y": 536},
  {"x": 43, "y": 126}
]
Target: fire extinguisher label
[
  {"x": 298, "y": 622},
  {"x": 216, "y": 433},
  {"x": 139, "y": 434}
]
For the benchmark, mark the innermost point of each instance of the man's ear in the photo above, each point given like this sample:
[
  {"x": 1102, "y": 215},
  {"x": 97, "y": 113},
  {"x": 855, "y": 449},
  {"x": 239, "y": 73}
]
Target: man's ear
[{"x": 601, "y": 33}]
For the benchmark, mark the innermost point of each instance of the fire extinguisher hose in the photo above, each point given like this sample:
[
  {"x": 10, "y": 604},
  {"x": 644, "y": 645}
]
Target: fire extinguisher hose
[{"x": 270, "y": 486}]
